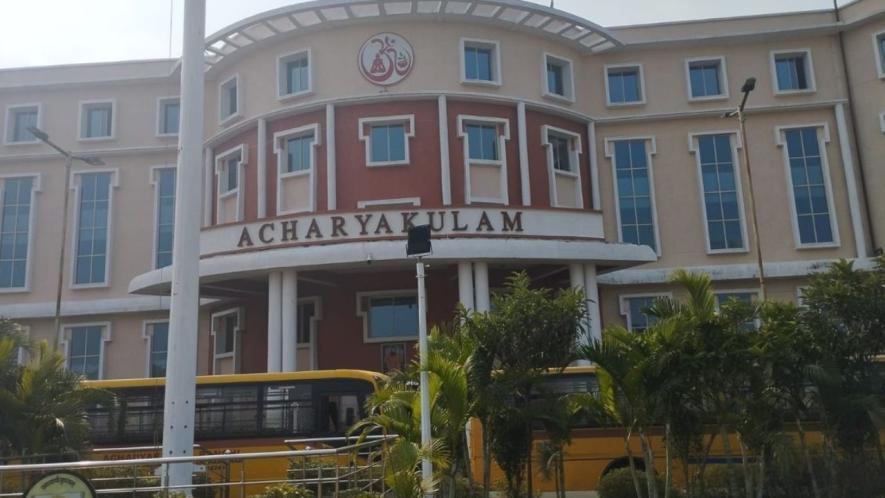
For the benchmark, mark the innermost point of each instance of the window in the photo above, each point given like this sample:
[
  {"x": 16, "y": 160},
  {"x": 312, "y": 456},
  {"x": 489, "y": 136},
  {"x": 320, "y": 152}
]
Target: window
[
  {"x": 792, "y": 71},
  {"x": 298, "y": 151},
  {"x": 229, "y": 98},
  {"x": 97, "y": 120},
  {"x": 393, "y": 317},
  {"x": 165, "y": 216},
  {"x": 159, "y": 341},
  {"x": 84, "y": 351},
  {"x": 706, "y": 79},
  {"x": 306, "y": 313},
  {"x": 722, "y": 205},
  {"x": 563, "y": 150},
  {"x": 879, "y": 41},
  {"x": 558, "y": 77},
  {"x": 482, "y": 142},
  {"x": 18, "y": 120},
  {"x": 634, "y": 308},
  {"x": 225, "y": 332},
  {"x": 169, "y": 115},
  {"x": 91, "y": 263},
  {"x": 810, "y": 189},
  {"x": 635, "y": 200},
  {"x": 15, "y": 227},
  {"x": 562, "y": 156},
  {"x": 295, "y": 74},
  {"x": 624, "y": 85},
  {"x": 387, "y": 139},
  {"x": 743, "y": 298},
  {"x": 230, "y": 175},
  {"x": 480, "y": 62}
]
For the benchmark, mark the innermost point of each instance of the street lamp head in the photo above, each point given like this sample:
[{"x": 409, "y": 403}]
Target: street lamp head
[
  {"x": 38, "y": 133},
  {"x": 749, "y": 85}
]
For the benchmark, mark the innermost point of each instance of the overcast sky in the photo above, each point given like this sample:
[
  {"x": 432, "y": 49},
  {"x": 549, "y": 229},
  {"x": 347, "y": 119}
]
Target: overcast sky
[{"x": 45, "y": 32}]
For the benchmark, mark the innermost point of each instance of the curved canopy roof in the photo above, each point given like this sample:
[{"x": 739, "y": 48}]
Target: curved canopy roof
[{"x": 569, "y": 29}]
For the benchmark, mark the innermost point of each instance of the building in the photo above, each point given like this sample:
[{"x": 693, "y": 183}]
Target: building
[{"x": 527, "y": 137}]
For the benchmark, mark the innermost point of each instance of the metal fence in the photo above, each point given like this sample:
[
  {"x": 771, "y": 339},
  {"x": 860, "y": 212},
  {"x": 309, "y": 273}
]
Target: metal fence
[{"x": 329, "y": 467}]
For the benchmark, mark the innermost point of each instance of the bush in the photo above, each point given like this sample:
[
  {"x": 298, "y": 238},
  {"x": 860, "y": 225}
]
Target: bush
[
  {"x": 285, "y": 491},
  {"x": 618, "y": 483}
]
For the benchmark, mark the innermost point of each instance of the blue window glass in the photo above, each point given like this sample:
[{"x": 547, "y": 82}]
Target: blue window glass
[
  {"x": 159, "y": 349},
  {"x": 718, "y": 177},
  {"x": 171, "y": 112},
  {"x": 704, "y": 79},
  {"x": 555, "y": 78},
  {"x": 562, "y": 156},
  {"x": 880, "y": 42},
  {"x": 22, "y": 119},
  {"x": 393, "y": 317},
  {"x": 165, "y": 216},
  {"x": 297, "y": 75},
  {"x": 634, "y": 193},
  {"x": 298, "y": 151},
  {"x": 388, "y": 143},
  {"x": 14, "y": 232},
  {"x": 792, "y": 72},
  {"x": 92, "y": 228},
  {"x": 809, "y": 186},
  {"x": 636, "y": 307},
  {"x": 229, "y": 99},
  {"x": 624, "y": 85},
  {"x": 84, "y": 351},
  {"x": 98, "y": 120},
  {"x": 478, "y": 63},
  {"x": 230, "y": 178},
  {"x": 482, "y": 142}
]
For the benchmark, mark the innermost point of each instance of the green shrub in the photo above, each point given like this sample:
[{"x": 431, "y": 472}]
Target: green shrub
[
  {"x": 618, "y": 483},
  {"x": 285, "y": 491}
]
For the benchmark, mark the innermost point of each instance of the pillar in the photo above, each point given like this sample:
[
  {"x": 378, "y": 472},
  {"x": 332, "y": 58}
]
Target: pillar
[
  {"x": 274, "y": 321},
  {"x": 481, "y": 286},
  {"x": 465, "y": 285},
  {"x": 591, "y": 290},
  {"x": 289, "y": 321}
]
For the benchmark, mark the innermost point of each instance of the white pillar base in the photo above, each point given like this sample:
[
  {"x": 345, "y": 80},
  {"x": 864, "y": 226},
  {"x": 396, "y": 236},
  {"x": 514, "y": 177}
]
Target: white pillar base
[
  {"x": 289, "y": 321},
  {"x": 481, "y": 283}
]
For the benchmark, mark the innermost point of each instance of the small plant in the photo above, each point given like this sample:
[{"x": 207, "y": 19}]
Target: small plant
[
  {"x": 285, "y": 491},
  {"x": 619, "y": 484}
]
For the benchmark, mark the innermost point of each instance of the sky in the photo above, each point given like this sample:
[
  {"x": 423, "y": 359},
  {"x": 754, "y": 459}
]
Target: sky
[{"x": 48, "y": 32}]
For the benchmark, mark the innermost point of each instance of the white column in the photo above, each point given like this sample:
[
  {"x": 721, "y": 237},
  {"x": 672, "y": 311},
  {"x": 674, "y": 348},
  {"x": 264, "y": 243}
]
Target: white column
[
  {"x": 444, "y": 162},
  {"x": 331, "y": 180},
  {"x": 576, "y": 275},
  {"x": 523, "y": 155},
  {"x": 577, "y": 281},
  {"x": 289, "y": 321},
  {"x": 465, "y": 284},
  {"x": 481, "y": 282},
  {"x": 860, "y": 239},
  {"x": 274, "y": 321},
  {"x": 262, "y": 168},
  {"x": 208, "y": 179},
  {"x": 184, "y": 312},
  {"x": 591, "y": 290},
  {"x": 594, "y": 166}
]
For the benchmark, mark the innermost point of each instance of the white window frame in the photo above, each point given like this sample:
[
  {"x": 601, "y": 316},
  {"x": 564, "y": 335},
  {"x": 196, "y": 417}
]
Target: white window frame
[
  {"x": 82, "y": 125},
  {"x": 641, "y": 70},
  {"x": 809, "y": 71},
  {"x": 35, "y": 189},
  {"x": 800, "y": 295},
  {"x": 279, "y": 139},
  {"x": 64, "y": 341},
  {"x": 75, "y": 186},
  {"x": 161, "y": 115},
  {"x": 880, "y": 57},
  {"x": 402, "y": 201},
  {"x": 147, "y": 333},
  {"x": 651, "y": 149},
  {"x": 823, "y": 138},
  {"x": 213, "y": 318},
  {"x": 754, "y": 291},
  {"x": 568, "y": 79},
  {"x": 624, "y": 305},
  {"x": 364, "y": 124},
  {"x": 317, "y": 302},
  {"x": 503, "y": 137},
  {"x": 363, "y": 313},
  {"x": 154, "y": 180},
  {"x": 723, "y": 78},
  {"x": 21, "y": 355},
  {"x": 10, "y": 122},
  {"x": 220, "y": 195},
  {"x": 282, "y": 75},
  {"x": 495, "y": 46},
  {"x": 694, "y": 149},
  {"x": 882, "y": 121},
  {"x": 575, "y": 150},
  {"x": 222, "y": 119}
]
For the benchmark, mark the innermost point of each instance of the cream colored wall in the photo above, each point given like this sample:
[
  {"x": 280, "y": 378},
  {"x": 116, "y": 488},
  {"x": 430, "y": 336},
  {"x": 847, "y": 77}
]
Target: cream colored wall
[{"x": 677, "y": 192}]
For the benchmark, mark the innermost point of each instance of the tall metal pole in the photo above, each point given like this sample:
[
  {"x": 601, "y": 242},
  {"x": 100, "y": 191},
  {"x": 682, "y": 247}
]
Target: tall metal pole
[
  {"x": 426, "y": 465},
  {"x": 746, "y": 147},
  {"x": 178, "y": 422},
  {"x": 64, "y": 243}
]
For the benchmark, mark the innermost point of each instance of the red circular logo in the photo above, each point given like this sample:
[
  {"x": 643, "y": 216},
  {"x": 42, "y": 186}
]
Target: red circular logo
[{"x": 386, "y": 59}]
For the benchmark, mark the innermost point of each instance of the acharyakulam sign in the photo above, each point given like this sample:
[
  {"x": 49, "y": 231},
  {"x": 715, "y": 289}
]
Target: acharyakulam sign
[
  {"x": 309, "y": 229},
  {"x": 63, "y": 484},
  {"x": 386, "y": 59}
]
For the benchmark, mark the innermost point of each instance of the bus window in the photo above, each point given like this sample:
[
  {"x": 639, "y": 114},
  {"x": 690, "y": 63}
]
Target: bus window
[
  {"x": 226, "y": 411},
  {"x": 342, "y": 411},
  {"x": 288, "y": 409},
  {"x": 142, "y": 416}
]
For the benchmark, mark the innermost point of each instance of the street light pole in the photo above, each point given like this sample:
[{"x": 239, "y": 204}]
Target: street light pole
[
  {"x": 748, "y": 87},
  {"x": 69, "y": 160}
]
